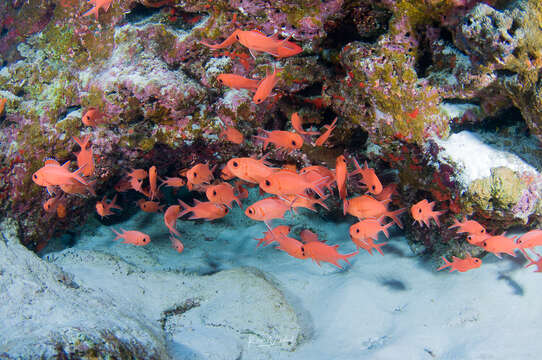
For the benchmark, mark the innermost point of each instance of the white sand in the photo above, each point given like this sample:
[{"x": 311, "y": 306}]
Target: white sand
[{"x": 379, "y": 307}]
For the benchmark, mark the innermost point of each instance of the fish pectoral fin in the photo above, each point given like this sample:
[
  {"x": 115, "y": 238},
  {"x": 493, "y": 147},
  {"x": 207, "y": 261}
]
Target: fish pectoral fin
[{"x": 254, "y": 53}]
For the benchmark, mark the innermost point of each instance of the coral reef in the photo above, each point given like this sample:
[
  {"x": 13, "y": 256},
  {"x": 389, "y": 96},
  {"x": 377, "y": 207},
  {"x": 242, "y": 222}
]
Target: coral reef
[{"x": 400, "y": 75}]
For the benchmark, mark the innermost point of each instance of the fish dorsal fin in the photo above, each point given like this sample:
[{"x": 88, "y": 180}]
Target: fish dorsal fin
[
  {"x": 196, "y": 202},
  {"x": 51, "y": 162},
  {"x": 66, "y": 165}
]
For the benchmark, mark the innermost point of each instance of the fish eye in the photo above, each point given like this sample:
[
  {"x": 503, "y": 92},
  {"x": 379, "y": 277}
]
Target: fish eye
[
  {"x": 35, "y": 176},
  {"x": 220, "y": 81},
  {"x": 420, "y": 210},
  {"x": 303, "y": 250},
  {"x": 373, "y": 187},
  {"x": 225, "y": 210},
  {"x": 237, "y": 37},
  {"x": 476, "y": 260},
  {"x": 293, "y": 143},
  {"x": 235, "y": 164},
  {"x": 267, "y": 183},
  {"x": 214, "y": 192},
  {"x": 357, "y": 230},
  {"x": 195, "y": 174},
  {"x": 250, "y": 211},
  {"x": 483, "y": 231},
  {"x": 484, "y": 244}
]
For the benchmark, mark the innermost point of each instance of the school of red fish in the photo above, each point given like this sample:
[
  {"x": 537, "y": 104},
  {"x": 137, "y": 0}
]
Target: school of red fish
[{"x": 288, "y": 188}]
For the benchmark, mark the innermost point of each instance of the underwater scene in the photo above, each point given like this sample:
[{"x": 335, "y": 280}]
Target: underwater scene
[{"x": 288, "y": 179}]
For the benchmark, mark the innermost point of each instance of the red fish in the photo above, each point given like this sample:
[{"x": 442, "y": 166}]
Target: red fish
[
  {"x": 52, "y": 174},
  {"x": 365, "y": 206},
  {"x": 153, "y": 175},
  {"x": 318, "y": 251},
  {"x": 137, "y": 185},
  {"x": 282, "y": 139},
  {"x": 222, "y": 193},
  {"x": 422, "y": 212},
  {"x": 255, "y": 41},
  {"x": 177, "y": 244},
  {"x": 232, "y": 134},
  {"x": 319, "y": 172},
  {"x": 283, "y": 183},
  {"x": 230, "y": 40},
  {"x": 291, "y": 246},
  {"x": 238, "y": 82},
  {"x": 122, "y": 185},
  {"x": 530, "y": 239},
  {"x": 369, "y": 229},
  {"x": 51, "y": 204},
  {"x": 103, "y": 208},
  {"x": 341, "y": 174},
  {"x": 368, "y": 245},
  {"x": 271, "y": 235},
  {"x": 477, "y": 239},
  {"x": 241, "y": 191},
  {"x": 249, "y": 169},
  {"x": 307, "y": 236},
  {"x": 323, "y": 138},
  {"x": 139, "y": 174},
  {"x": 2, "y": 104},
  {"x": 297, "y": 124},
  {"x": 307, "y": 202},
  {"x": 132, "y": 237},
  {"x": 85, "y": 157},
  {"x": 92, "y": 117},
  {"x": 267, "y": 209},
  {"x": 170, "y": 219},
  {"x": 98, "y": 4},
  {"x": 461, "y": 265},
  {"x": 537, "y": 263},
  {"x": 387, "y": 192},
  {"x": 175, "y": 182},
  {"x": 199, "y": 174},
  {"x": 265, "y": 87},
  {"x": 368, "y": 178},
  {"x": 204, "y": 210},
  {"x": 468, "y": 226},
  {"x": 500, "y": 244},
  {"x": 150, "y": 206}
]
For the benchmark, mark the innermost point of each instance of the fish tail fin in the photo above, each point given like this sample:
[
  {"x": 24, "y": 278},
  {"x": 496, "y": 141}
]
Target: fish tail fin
[
  {"x": 186, "y": 208},
  {"x": 317, "y": 184},
  {"x": 119, "y": 235},
  {"x": 76, "y": 175},
  {"x": 94, "y": 11},
  {"x": 358, "y": 168},
  {"x": 345, "y": 206},
  {"x": 446, "y": 264},
  {"x": 385, "y": 229},
  {"x": 455, "y": 224},
  {"x": 238, "y": 201},
  {"x": 321, "y": 203},
  {"x": 378, "y": 247},
  {"x": 436, "y": 214},
  {"x": 346, "y": 256},
  {"x": 394, "y": 216},
  {"x": 174, "y": 231}
]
